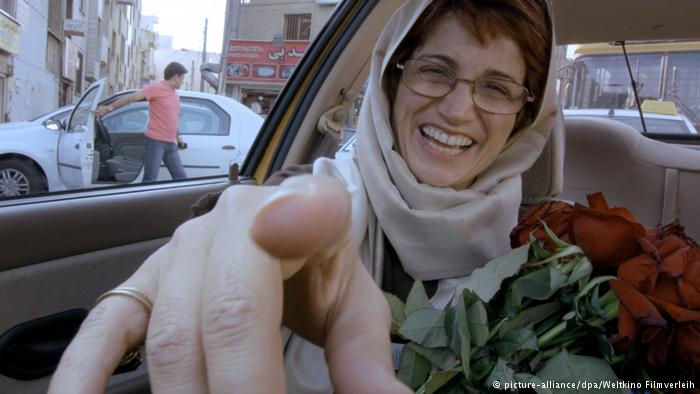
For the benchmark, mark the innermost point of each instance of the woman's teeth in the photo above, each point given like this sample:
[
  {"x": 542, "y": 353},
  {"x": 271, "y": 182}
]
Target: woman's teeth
[{"x": 449, "y": 144}]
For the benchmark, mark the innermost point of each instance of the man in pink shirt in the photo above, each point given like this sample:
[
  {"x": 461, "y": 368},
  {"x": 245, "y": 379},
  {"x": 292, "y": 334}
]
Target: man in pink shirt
[{"x": 162, "y": 135}]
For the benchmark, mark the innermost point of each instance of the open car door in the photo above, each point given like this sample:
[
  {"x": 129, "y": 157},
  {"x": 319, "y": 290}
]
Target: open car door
[{"x": 77, "y": 159}]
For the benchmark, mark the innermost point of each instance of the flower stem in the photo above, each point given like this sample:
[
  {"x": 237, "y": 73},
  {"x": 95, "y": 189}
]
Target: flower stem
[
  {"x": 608, "y": 297},
  {"x": 551, "y": 334}
]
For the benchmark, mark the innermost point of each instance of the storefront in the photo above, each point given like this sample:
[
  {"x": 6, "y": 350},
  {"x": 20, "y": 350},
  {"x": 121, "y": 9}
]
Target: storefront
[
  {"x": 256, "y": 71},
  {"x": 10, "y": 31}
]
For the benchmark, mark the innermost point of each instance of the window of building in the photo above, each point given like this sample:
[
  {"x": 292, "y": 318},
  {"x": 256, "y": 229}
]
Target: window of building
[
  {"x": 53, "y": 54},
  {"x": 79, "y": 74},
  {"x": 8, "y": 6},
  {"x": 55, "y": 20},
  {"x": 69, "y": 9},
  {"x": 297, "y": 27}
]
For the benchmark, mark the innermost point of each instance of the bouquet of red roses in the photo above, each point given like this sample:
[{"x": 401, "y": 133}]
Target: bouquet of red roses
[{"x": 588, "y": 299}]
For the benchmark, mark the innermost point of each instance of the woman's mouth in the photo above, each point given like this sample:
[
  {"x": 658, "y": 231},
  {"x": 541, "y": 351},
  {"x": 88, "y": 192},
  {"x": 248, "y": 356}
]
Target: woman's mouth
[{"x": 451, "y": 145}]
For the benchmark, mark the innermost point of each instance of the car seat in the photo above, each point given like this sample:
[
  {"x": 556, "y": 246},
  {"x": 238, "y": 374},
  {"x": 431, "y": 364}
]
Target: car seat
[
  {"x": 657, "y": 181},
  {"x": 123, "y": 168}
]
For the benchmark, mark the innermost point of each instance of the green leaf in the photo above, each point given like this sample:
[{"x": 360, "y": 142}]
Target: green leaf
[
  {"x": 425, "y": 327},
  {"x": 397, "y": 312},
  {"x": 417, "y": 298},
  {"x": 540, "y": 284},
  {"x": 486, "y": 281},
  {"x": 571, "y": 368},
  {"x": 458, "y": 333},
  {"x": 529, "y": 317},
  {"x": 478, "y": 322},
  {"x": 515, "y": 340},
  {"x": 443, "y": 358},
  {"x": 583, "y": 269},
  {"x": 480, "y": 367},
  {"x": 536, "y": 384},
  {"x": 439, "y": 379},
  {"x": 413, "y": 368},
  {"x": 501, "y": 373}
]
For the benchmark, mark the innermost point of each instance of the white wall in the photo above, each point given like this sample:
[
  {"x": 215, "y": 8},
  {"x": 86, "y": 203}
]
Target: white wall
[{"x": 33, "y": 90}]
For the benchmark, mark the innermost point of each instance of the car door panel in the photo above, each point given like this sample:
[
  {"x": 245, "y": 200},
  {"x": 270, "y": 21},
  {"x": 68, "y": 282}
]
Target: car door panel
[
  {"x": 128, "y": 144},
  {"x": 82, "y": 244},
  {"x": 76, "y": 144},
  {"x": 63, "y": 284}
]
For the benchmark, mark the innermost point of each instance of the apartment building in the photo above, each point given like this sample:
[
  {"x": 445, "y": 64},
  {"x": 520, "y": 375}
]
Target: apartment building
[
  {"x": 9, "y": 48},
  {"x": 52, "y": 50},
  {"x": 264, "y": 41}
]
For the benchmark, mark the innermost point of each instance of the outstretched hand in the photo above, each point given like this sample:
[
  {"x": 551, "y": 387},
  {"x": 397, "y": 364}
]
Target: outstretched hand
[{"x": 225, "y": 283}]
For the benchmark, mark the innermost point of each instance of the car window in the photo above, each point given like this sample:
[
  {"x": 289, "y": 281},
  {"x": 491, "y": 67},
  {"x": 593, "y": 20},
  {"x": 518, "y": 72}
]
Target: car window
[
  {"x": 199, "y": 116},
  {"x": 131, "y": 120},
  {"x": 79, "y": 119},
  {"x": 224, "y": 97}
]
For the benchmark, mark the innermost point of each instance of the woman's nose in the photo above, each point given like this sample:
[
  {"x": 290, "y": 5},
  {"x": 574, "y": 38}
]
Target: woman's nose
[{"x": 458, "y": 106}]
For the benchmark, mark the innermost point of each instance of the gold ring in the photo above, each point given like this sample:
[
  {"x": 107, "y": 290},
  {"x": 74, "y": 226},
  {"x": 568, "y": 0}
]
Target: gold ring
[{"x": 129, "y": 292}]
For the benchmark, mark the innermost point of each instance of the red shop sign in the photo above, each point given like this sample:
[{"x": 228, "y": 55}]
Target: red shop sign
[{"x": 262, "y": 61}]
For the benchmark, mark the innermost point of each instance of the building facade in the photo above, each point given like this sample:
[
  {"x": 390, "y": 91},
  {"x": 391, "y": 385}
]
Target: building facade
[
  {"x": 264, "y": 41},
  {"x": 52, "y": 50}
]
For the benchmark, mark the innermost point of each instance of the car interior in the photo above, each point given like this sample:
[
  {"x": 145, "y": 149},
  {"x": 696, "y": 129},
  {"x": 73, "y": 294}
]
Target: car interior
[{"x": 60, "y": 251}]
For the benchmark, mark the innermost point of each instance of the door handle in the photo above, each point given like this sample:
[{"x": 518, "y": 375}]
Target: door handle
[
  {"x": 228, "y": 147},
  {"x": 31, "y": 350}
]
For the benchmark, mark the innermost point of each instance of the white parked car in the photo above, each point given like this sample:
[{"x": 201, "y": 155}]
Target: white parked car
[{"x": 65, "y": 150}]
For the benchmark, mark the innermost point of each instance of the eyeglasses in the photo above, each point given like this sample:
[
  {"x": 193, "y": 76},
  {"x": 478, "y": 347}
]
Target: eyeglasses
[{"x": 493, "y": 95}]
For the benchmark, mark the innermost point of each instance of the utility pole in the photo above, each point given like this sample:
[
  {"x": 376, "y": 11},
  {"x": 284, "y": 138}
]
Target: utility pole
[{"x": 204, "y": 56}]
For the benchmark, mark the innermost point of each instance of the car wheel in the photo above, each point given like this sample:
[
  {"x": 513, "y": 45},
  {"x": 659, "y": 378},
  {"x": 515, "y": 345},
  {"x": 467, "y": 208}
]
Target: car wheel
[{"x": 18, "y": 178}]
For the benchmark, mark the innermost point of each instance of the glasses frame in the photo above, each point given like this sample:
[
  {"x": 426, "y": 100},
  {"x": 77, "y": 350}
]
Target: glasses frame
[{"x": 528, "y": 97}]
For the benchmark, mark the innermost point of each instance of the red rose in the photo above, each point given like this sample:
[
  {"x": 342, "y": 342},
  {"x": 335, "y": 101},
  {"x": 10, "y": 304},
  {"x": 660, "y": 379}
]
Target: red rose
[
  {"x": 608, "y": 236},
  {"x": 659, "y": 292},
  {"x": 553, "y": 213}
]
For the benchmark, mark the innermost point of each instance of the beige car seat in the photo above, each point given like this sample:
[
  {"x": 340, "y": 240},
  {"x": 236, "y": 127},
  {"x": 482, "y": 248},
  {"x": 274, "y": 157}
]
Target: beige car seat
[{"x": 657, "y": 181}]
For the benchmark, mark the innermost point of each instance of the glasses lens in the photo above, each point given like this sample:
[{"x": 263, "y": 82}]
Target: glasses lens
[
  {"x": 499, "y": 96},
  {"x": 428, "y": 79}
]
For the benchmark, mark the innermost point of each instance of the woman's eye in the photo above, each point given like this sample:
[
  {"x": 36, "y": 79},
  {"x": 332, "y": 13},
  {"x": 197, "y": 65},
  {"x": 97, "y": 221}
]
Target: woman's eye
[
  {"x": 496, "y": 88},
  {"x": 437, "y": 74}
]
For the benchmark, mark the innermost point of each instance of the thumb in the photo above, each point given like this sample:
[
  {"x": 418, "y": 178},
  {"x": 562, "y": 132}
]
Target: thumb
[{"x": 308, "y": 216}]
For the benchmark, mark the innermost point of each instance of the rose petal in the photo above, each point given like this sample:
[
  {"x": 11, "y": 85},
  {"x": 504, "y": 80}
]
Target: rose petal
[
  {"x": 638, "y": 305},
  {"x": 667, "y": 290},
  {"x": 597, "y": 201},
  {"x": 669, "y": 245},
  {"x": 640, "y": 271},
  {"x": 628, "y": 331},
  {"x": 690, "y": 293},
  {"x": 606, "y": 239},
  {"x": 692, "y": 270},
  {"x": 657, "y": 349},
  {"x": 674, "y": 263},
  {"x": 676, "y": 312}
]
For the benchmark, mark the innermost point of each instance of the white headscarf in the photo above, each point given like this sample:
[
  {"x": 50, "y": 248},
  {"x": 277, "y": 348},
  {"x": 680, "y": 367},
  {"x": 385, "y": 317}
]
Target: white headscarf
[{"x": 437, "y": 232}]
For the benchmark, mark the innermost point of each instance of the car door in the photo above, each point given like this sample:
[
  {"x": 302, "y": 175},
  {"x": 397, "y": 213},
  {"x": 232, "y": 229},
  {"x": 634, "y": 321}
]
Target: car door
[
  {"x": 77, "y": 161},
  {"x": 205, "y": 127}
]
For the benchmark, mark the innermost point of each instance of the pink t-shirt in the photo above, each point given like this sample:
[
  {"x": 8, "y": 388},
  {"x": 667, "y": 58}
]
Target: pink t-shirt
[{"x": 163, "y": 111}]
